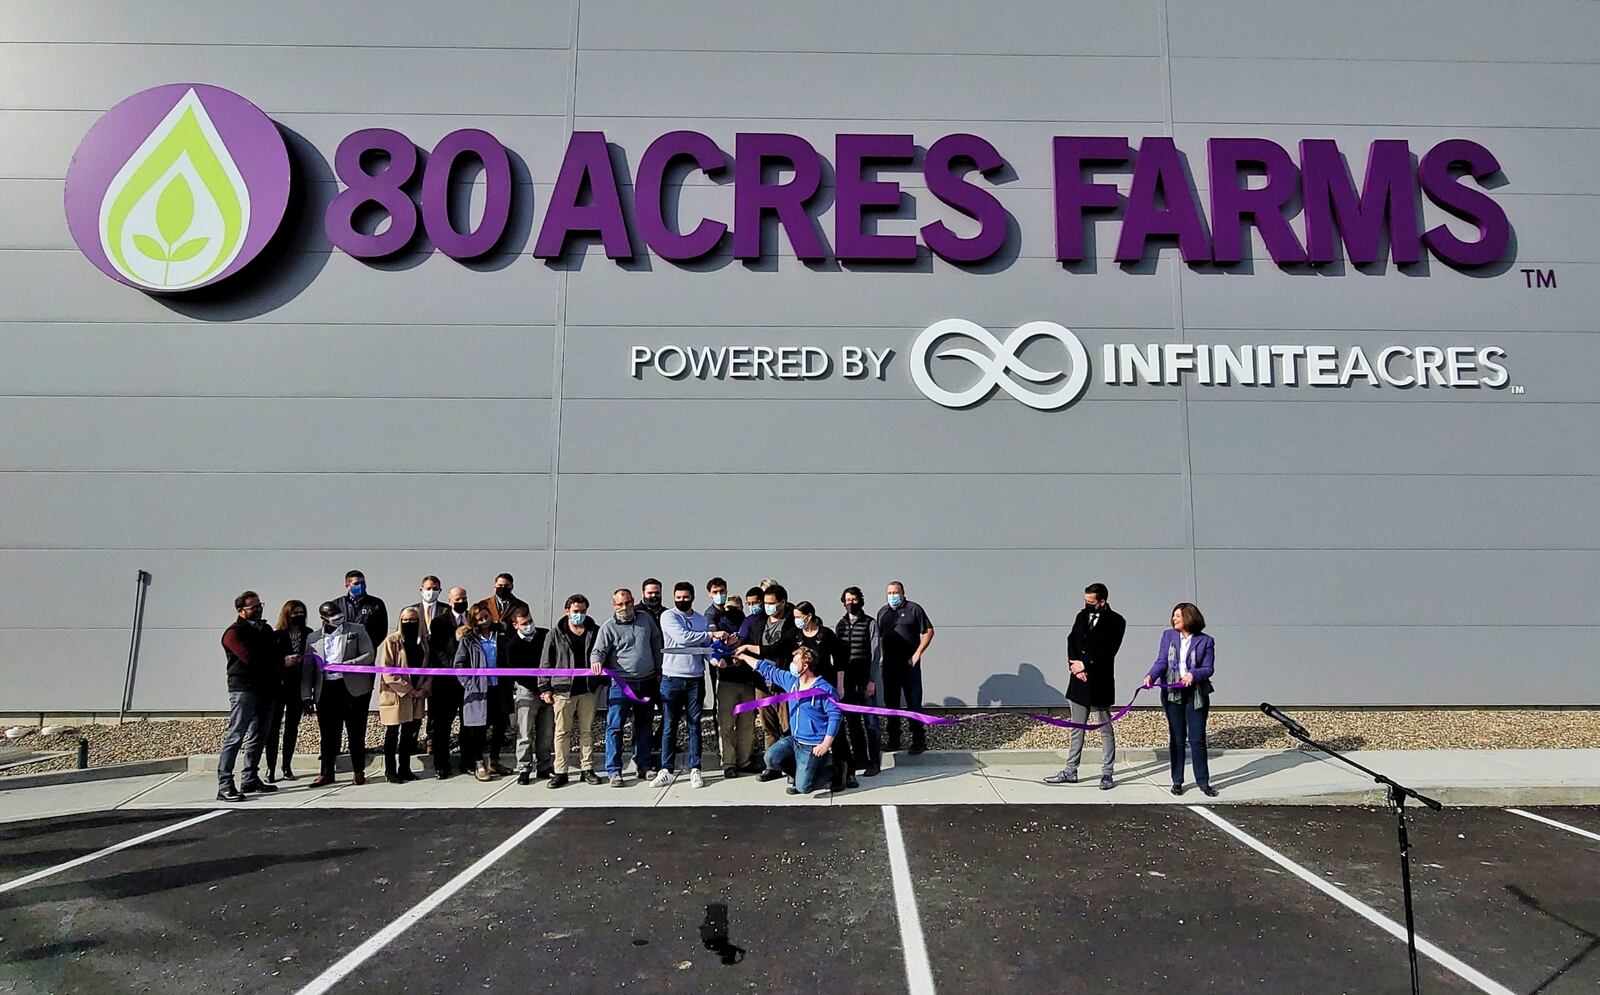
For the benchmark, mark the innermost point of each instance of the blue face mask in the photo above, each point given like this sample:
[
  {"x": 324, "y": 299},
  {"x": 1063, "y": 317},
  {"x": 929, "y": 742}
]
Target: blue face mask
[
  {"x": 358, "y": 589},
  {"x": 896, "y": 600},
  {"x": 719, "y": 599},
  {"x": 578, "y": 618},
  {"x": 770, "y": 609}
]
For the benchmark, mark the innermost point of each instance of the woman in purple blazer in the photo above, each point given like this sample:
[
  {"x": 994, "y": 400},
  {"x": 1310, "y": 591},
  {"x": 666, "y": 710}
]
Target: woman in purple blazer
[{"x": 1186, "y": 658}]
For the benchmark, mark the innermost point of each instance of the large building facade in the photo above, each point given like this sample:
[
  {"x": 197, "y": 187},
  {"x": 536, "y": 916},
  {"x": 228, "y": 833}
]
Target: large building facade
[{"x": 1284, "y": 308}]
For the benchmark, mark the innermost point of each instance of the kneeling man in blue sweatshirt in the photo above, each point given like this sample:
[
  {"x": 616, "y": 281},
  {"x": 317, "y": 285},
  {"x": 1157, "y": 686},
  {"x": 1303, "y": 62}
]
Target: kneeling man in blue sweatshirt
[{"x": 813, "y": 722}]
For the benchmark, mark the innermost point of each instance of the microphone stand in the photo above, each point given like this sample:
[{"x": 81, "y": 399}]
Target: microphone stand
[{"x": 1398, "y": 793}]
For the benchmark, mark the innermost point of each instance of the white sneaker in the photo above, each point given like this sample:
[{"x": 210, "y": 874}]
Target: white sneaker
[
  {"x": 695, "y": 780},
  {"x": 663, "y": 779}
]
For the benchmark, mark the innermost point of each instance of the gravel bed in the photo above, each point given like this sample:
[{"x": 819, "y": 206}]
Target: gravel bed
[{"x": 1419, "y": 729}]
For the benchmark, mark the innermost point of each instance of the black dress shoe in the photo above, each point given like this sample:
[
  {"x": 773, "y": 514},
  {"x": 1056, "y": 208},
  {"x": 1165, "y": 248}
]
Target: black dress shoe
[
  {"x": 406, "y": 775},
  {"x": 272, "y": 778},
  {"x": 751, "y": 767},
  {"x": 229, "y": 794},
  {"x": 443, "y": 773},
  {"x": 289, "y": 775},
  {"x": 791, "y": 790},
  {"x": 872, "y": 771},
  {"x": 917, "y": 748},
  {"x": 769, "y": 775},
  {"x": 1177, "y": 789},
  {"x": 257, "y": 787},
  {"x": 851, "y": 782},
  {"x": 557, "y": 781},
  {"x": 525, "y": 777},
  {"x": 729, "y": 773},
  {"x": 590, "y": 777},
  {"x": 1106, "y": 783},
  {"x": 1208, "y": 791}
]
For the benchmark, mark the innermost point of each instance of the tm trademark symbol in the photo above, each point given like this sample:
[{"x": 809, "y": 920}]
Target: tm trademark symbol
[
  {"x": 1518, "y": 389},
  {"x": 1542, "y": 279}
]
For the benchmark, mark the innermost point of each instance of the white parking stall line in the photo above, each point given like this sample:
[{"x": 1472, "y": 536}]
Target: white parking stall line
[
  {"x": 383, "y": 937},
  {"x": 114, "y": 848},
  {"x": 1551, "y": 822},
  {"x": 919, "y": 973},
  {"x": 1360, "y": 908}
]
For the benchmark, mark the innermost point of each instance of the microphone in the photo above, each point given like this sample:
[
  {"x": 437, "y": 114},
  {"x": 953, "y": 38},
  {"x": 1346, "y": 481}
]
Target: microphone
[{"x": 1295, "y": 729}]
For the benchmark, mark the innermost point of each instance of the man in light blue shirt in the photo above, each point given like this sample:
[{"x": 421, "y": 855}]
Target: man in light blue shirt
[{"x": 686, "y": 638}]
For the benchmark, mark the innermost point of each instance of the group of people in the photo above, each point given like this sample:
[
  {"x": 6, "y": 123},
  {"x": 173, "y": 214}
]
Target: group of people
[{"x": 646, "y": 664}]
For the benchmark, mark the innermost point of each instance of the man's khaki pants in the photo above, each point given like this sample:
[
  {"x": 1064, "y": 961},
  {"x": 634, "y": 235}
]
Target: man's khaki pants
[
  {"x": 568, "y": 707},
  {"x": 736, "y": 734}
]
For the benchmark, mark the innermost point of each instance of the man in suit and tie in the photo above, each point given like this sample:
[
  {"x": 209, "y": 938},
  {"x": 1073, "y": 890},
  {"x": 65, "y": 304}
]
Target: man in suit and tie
[
  {"x": 431, "y": 606},
  {"x": 444, "y": 698},
  {"x": 1091, "y": 689}
]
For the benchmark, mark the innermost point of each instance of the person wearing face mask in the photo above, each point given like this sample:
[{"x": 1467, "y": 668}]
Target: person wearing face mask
[
  {"x": 905, "y": 634},
  {"x": 430, "y": 604},
  {"x": 401, "y": 697},
  {"x": 629, "y": 644},
  {"x": 686, "y": 639},
  {"x": 342, "y": 700},
  {"x": 480, "y": 646},
  {"x": 771, "y": 636},
  {"x": 650, "y": 599},
  {"x": 502, "y": 603},
  {"x": 535, "y": 718},
  {"x": 813, "y": 724},
  {"x": 1091, "y": 687},
  {"x": 283, "y": 729},
  {"x": 568, "y": 647},
  {"x": 827, "y": 662},
  {"x": 363, "y": 609},
  {"x": 444, "y": 699},
  {"x": 254, "y": 668},
  {"x": 863, "y": 677},
  {"x": 731, "y": 686}
]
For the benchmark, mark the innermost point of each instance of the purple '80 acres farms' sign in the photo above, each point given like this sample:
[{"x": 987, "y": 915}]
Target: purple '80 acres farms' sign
[
  {"x": 180, "y": 186},
  {"x": 177, "y": 187}
]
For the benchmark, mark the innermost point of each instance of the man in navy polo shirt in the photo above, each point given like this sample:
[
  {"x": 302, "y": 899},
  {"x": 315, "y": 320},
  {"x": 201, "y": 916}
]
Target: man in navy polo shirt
[{"x": 904, "y": 633}]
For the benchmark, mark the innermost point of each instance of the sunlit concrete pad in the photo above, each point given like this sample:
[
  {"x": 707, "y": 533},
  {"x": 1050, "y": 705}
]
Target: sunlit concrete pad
[
  {"x": 1023, "y": 784},
  {"x": 459, "y": 791},
  {"x": 198, "y": 789},
  {"x": 89, "y": 796},
  {"x": 576, "y": 794}
]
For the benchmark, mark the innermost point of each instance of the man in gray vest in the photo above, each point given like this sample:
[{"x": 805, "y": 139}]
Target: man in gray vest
[{"x": 629, "y": 644}]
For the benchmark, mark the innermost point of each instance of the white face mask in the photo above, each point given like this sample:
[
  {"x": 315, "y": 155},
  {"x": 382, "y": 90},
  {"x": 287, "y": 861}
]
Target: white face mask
[
  {"x": 430, "y": 595},
  {"x": 526, "y": 631}
]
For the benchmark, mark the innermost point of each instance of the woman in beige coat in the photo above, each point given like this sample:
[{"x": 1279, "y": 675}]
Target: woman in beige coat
[{"x": 401, "y": 696}]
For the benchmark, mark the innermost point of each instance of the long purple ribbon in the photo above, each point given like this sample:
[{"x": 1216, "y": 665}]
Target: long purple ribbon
[
  {"x": 347, "y": 668},
  {"x": 939, "y": 720}
]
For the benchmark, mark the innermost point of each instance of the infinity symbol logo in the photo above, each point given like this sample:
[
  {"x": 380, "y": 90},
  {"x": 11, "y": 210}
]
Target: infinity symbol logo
[{"x": 1001, "y": 366}]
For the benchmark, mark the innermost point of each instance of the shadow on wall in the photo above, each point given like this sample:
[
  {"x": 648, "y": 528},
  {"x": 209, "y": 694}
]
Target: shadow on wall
[{"x": 1025, "y": 687}]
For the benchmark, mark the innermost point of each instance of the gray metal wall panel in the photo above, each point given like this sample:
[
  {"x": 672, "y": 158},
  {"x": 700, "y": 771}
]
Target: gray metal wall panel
[
  {"x": 886, "y": 510},
  {"x": 267, "y": 434},
  {"x": 404, "y": 510},
  {"x": 1391, "y": 511}
]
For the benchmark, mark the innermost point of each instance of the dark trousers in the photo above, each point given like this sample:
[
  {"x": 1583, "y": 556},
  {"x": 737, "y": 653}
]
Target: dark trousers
[
  {"x": 1186, "y": 726},
  {"x": 444, "y": 705},
  {"x": 502, "y": 709},
  {"x": 902, "y": 688},
  {"x": 861, "y": 730},
  {"x": 340, "y": 711},
  {"x": 474, "y": 743},
  {"x": 283, "y": 728},
  {"x": 399, "y": 746}
]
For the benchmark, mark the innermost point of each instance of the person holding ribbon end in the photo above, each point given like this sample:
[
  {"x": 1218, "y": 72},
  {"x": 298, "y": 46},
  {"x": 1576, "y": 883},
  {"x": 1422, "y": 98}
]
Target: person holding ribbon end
[
  {"x": 1091, "y": 689},
  {"x": 1185, "y": 662},
  {"x": 813, "y": 722}
]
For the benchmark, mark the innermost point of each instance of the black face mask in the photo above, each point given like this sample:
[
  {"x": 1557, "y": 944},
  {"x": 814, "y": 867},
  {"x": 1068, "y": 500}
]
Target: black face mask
[
  {"x": 503, "y": 593},
  {"x": 684, "y": 606},
  {"x": 459, "y": 606},
  {"x": 852, "y": 609},
  {"x": 297, "y": 620},
  {"x": 409, "y": 630},
  {"x": 331, "y": 624},
  {"x": 652, "y": 599}
]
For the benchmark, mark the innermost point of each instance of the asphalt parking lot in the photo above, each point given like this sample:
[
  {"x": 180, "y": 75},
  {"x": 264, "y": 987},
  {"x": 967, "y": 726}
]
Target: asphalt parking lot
[{"x": 998, "y": 899}]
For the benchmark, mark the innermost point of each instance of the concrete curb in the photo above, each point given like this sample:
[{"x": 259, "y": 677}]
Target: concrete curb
[{"x": 138, "y": 768}]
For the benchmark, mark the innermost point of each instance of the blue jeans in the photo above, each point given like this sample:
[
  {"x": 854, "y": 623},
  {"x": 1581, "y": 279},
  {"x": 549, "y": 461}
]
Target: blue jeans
[
  {"x": 248, "y": 715},
  {"x": 796, "y": 759},
  {"x": 619, "y": 707},
  {"x": 1186, "y": 725},
  {"x": 680, "y": 699}
]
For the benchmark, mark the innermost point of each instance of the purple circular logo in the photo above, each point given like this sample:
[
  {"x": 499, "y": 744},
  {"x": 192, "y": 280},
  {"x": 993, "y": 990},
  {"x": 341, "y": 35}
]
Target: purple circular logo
[{"x": 177, "y": 187}]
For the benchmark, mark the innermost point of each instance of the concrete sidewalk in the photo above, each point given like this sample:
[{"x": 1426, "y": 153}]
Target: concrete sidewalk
[{"x": 1455, "y": 777}]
